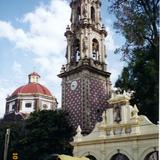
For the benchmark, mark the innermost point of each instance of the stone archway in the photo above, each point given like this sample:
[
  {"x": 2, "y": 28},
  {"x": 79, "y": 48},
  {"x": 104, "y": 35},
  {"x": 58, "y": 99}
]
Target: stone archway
[
  {"x": 152, "y": 156},
  {"x": 91, "y": 157},
  {"x": 95, "y": 49},
  {"x": 119, "y": 156}
]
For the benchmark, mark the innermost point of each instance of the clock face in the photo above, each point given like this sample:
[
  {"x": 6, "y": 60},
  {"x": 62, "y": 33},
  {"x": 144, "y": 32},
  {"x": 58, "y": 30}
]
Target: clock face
[{"x": 74, "y": 85}]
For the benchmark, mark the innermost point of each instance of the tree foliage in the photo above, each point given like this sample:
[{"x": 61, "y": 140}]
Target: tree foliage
[
  {"x": 137, "y": 20},
  {"x": 17, "y": 133},
  {"x": 42, "y": 134}
]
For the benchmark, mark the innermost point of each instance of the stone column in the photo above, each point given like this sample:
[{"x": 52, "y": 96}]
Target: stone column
[
  {"x": 124, "y": 113},
  {"x": 90, "y": 43},
  {"x": 97, "y": 14},
  {"x": 109, "y": 115},
  {"x": 69, "y": 50},
  {"x": 81, "y": 45},
  {"x": 102, "y": 49}
]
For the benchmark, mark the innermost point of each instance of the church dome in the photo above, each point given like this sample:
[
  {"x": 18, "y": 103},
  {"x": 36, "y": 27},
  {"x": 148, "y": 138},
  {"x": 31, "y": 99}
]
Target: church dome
[
  {"x": 29, "y": 98},
  {"x": 33, "y": 87}
]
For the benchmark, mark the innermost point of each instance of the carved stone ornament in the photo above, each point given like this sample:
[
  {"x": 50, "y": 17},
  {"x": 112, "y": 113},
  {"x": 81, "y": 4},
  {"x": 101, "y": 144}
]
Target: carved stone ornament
[
  {"x": 85, "y": 10},
  {"x": 85, "y": 42}
]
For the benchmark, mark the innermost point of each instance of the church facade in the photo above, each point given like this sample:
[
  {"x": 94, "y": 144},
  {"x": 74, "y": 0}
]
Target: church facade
[
  {"x": 122, "y": 134},
  {"x": 85, "y": 80}
]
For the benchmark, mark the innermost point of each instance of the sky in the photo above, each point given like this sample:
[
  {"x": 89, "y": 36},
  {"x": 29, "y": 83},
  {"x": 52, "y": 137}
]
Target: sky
[{"x": 32, "y": 39}]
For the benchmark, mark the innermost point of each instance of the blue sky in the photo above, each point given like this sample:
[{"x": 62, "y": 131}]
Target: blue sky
[{"x": 32, "y": 39}]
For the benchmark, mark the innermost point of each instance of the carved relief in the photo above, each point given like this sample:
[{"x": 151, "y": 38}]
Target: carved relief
[{"x": 117, "y": 114}]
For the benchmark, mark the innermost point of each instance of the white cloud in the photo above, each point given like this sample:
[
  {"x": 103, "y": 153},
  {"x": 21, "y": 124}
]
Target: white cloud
[
  {"x": 17, "y": 67},
  {"x": 51, "y": 66},
  {"x": 111, "y": 44},
  {"x": 114, "y": 74},
  {"x": 9, "y": 32},
  {"x": 47, "y": 25},
  {"x": 115, "y": 65}
]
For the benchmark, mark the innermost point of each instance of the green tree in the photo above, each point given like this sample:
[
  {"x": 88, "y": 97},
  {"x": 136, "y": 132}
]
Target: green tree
[
  {"x": 137, "y": 20},
  {"x": 42, "y": 134}
]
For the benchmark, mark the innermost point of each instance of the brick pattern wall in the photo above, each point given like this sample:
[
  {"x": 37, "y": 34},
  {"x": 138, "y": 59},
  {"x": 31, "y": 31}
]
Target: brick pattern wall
[
  {"x": 73, "y": 103},
  {"x": 97, "y": 100}
]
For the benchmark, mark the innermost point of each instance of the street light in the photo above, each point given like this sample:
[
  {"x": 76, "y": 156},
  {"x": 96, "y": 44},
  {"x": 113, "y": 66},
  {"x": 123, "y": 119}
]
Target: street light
[{"x": 7, "y": 136}]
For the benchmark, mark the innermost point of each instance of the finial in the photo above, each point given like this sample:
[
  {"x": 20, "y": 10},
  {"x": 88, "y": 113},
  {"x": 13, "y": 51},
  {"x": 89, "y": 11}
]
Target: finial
[
  {"x": 63, "y": 69},
  {"x": 103, "y": 27},
  {"x": 67, "y": 28},
  {"x": 135, "y": 108},
  {"x": 79, "y": 130},
  {"x": 78, "y": 135},
  {"x": 135, "y": 111}
]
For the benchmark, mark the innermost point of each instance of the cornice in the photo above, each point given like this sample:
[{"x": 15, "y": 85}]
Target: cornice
[
  {"x": 126, "y": 138},
  {"x": 83, "y": 67}
]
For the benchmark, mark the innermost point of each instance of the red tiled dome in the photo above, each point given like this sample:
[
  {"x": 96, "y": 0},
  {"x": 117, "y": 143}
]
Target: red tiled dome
[{"x": 32, "y": 88}]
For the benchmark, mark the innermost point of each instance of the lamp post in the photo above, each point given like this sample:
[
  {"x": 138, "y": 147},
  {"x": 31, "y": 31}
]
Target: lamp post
[{"x": 7, "y": 136}]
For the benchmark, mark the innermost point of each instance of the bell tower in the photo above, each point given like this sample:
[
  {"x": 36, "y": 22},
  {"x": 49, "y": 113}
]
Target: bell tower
[{"x": 85, "y": 80}]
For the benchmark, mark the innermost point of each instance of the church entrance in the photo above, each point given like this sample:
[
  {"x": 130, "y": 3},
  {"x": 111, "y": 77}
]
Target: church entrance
[
  {"x": 119, "y": 156},
  {"x": 91, "y": 157},
  {"x": 152, "y": 156}
]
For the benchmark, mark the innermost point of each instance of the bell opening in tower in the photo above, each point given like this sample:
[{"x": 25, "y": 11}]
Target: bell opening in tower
[
  {"x": 76, "y": 51},
  {"x": 92, "y": 14},
  {"x": 78, "y": 14},
  {"x": 95, "y": 49}
]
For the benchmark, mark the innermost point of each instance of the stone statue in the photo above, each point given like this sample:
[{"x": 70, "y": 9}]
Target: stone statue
[
  {"x": 85, "y": 11},
  {"x": 117, "y": 114}
]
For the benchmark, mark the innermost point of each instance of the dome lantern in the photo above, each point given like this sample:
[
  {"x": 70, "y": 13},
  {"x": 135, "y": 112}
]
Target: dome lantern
[{"x": 33, "y": 77}]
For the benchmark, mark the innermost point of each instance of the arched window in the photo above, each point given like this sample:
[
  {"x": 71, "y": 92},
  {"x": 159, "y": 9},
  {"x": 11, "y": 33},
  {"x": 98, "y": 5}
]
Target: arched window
[
  {"x": 152, "y": 156},
  {"x": 91, "y": 157},
  {"x": 119, "y": 156},
  {"x": 95, "y": 49},
  {"x": 45, "y": 107},
  {"x": 28, "y": 105},
  {"x": 78, "y": 13},
  {"x": 76, "y": 54},
  {"x": 93, "y": 17}
]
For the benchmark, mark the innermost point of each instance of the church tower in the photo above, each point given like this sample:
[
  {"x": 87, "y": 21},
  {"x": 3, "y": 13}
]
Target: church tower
[{"x": 85, "y": 80}]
